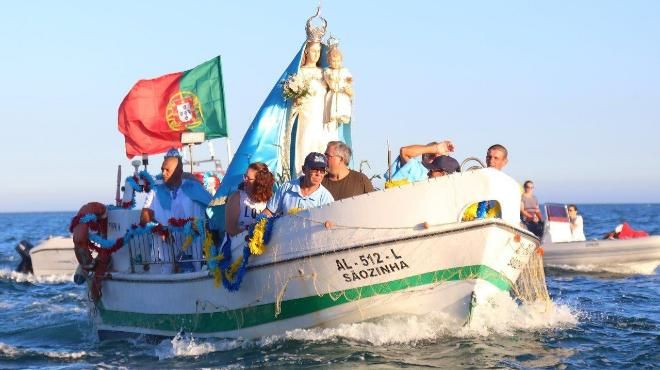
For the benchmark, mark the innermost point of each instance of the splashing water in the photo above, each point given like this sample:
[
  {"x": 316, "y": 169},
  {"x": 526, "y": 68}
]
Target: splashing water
[
  {"x": 19, "y": 277},
  {"x": 187, "y": 346}
]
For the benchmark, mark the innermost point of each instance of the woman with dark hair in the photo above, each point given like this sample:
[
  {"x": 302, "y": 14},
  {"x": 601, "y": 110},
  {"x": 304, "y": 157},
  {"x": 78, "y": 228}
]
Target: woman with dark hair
[
  {"x": 576, "y": 223},
  {"x": 250, "y": 199}
]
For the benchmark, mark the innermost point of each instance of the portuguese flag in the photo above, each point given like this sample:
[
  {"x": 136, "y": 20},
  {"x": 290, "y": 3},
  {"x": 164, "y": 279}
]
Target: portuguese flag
[{"x": 155, "y": 112}]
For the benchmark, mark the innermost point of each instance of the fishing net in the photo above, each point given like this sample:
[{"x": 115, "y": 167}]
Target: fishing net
[{"x": 530, "y": 286}]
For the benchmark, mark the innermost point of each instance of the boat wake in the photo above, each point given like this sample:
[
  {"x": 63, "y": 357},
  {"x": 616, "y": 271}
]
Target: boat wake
[
  {"x": 19, "y": 277},
  {"x": 639, "y": 268},
  {"x": 502, "y": 316}
]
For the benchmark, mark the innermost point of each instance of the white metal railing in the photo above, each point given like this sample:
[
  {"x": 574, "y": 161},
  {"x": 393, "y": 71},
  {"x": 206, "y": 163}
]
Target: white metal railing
[{"x": 156, "y": 254}]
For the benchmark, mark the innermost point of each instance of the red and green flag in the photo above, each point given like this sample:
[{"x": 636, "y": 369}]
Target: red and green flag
[{"x": 155, "y": 113}]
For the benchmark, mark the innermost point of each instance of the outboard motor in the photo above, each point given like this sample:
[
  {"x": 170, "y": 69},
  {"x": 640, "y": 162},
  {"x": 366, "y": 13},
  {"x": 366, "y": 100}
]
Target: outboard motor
[{"x": 23, "y": 248}]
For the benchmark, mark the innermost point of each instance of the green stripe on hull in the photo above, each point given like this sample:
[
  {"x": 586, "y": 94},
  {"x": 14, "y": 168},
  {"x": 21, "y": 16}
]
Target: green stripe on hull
[{"x": 265, "y": 313}]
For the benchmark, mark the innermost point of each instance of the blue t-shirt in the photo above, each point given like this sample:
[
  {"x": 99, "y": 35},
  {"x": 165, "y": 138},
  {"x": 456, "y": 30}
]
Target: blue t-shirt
[
  {"x": 288, "y": 197},
  {"x": 412, "y": 171}
]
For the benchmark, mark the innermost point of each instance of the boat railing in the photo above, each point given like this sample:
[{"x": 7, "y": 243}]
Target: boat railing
[{"x": 155, "y": 253}]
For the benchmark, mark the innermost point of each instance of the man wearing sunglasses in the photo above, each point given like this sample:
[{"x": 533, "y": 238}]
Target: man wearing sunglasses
[
  {"x": 341, "y": 181},
  {"x": 304, "y": 192}
]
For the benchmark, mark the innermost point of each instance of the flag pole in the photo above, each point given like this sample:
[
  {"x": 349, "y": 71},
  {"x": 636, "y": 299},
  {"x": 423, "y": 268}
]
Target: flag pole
[
  {"x": 389, "y": 161},
  {"x": 117, "y": 197},
  {"x": 191, "y": 157},
  {"x": 228, "y": 150}
]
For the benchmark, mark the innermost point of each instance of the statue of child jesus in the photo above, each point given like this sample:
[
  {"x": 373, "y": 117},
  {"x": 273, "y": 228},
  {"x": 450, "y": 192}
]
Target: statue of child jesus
[{"x": 340, "y": 91}]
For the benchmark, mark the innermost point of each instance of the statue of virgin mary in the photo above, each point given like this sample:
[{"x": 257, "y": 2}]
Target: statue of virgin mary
[
  {"x": 285, "y": 130},
  {"x": 308, "y": 112}
]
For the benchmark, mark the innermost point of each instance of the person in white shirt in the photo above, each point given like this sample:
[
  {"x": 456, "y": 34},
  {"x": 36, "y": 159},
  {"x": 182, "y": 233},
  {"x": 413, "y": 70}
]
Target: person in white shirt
[
  {"x": 178, "y": 197},
  {"x": 577, "y": 228},
  {"x": 249, "y": 200}
]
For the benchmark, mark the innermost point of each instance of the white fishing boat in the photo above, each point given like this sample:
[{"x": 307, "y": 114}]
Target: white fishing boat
[
  {"x": 396, "y": 251},
  {"x": 638, "y": 254},
  {"x": 53, "y": 256},
  {"x": 440, "y": 245}
]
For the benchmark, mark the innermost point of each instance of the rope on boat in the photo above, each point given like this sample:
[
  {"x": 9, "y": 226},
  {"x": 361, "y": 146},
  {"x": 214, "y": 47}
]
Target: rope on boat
[{"x": 280, "y": 293}]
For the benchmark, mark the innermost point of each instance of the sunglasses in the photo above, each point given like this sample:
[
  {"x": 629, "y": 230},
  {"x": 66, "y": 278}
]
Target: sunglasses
[{"x": 332, "y": 155}]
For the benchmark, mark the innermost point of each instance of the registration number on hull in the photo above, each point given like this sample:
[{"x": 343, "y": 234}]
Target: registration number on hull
[{"x": 370, "y": 265}]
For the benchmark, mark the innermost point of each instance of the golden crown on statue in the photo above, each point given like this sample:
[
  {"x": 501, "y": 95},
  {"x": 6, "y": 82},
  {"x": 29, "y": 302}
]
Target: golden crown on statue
[{"x": 316, "y": 33}]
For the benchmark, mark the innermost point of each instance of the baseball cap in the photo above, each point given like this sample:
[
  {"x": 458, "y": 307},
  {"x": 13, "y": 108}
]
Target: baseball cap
[
  {"x": 445, "y": 163},
  {"x": 172, "y": 153},
  {"x": 315, "y": 160}
]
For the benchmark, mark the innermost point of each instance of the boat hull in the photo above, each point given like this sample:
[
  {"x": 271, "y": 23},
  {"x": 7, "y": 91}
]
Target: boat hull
[
  {"x": 445, "y": 269},
  {"x": 603, "y": 252},
  {"x": 54, "y": 256}
]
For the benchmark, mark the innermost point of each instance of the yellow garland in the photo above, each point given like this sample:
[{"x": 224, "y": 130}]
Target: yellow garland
[
  {"x": 495, "y": 211},
  {"x": 256, "y": 243},
  {"x": 231, "y": 271},
  {"x": 189, "y": 238},
  {"x": 217, "y": 277},
  {"x": 293, "y": 211},
  {"x": 187, "y": 242},
  {"x": 206, "y": 246},
  {"x": 395, "y": 183},
  {"x": 470, "y": 213}
]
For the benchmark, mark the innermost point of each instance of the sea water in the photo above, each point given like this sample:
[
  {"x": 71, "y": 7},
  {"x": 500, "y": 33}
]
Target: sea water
[{"x": 598, "y": 320}]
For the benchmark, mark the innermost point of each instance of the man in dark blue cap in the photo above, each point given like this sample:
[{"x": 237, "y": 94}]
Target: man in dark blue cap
[
  {"x": 304, "y": 192},
  {"x": 443, "y": 165},
  {"x": 410, "y": 169}
]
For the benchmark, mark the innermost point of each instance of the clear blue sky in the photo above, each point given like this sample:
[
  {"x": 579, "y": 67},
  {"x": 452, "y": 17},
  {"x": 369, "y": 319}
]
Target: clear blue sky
[{"x": 572, "y": 88}]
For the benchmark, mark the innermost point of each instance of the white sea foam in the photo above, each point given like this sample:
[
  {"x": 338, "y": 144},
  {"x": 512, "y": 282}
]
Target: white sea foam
[
  {"x": 9, "y": 351},
  {"x": 187, "y": 346},
  {"x": 642, "y": 268},
  {"x": 503, "y": 316},
  {"x": 388, "y": 330},
  {"x": 6, "y": 274},
  {"x": 4, "y": 305},
  {"x": 66, "y": 355}
]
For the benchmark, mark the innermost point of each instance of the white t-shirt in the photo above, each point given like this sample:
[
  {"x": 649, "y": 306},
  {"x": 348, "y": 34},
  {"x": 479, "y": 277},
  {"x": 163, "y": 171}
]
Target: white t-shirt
[
  {"x": 248, "y": 211},
  {"x": 578, "y": 232}
]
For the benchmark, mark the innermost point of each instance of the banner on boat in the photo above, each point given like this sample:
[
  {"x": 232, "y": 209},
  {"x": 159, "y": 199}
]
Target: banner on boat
[{"x": 155, "y": 112}]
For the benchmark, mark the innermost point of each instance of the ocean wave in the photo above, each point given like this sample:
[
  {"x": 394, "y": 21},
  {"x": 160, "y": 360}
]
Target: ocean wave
[
  {"x": 641, "y": 268},
  {"x": 13, "y": 352},
  {"x": 6, "y": 274}
]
